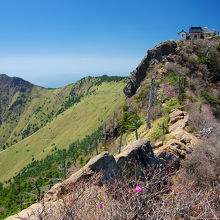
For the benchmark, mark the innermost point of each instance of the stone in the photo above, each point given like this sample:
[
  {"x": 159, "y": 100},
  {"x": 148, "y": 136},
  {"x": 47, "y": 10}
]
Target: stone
[
  {"x": 180, "y": 123},
  {"x": 186, "y": 139},
  {"x": 103, "y": 162},
  {"x": 176, "y": 113},
  {"x": 158, "y": 144},
  {"x": 175, "y": 116},
  {"x": 140, "y": 151},
  {"x": 154, "y": 56}
]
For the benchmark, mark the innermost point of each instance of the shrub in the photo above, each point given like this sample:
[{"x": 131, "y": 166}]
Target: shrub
[
  {"x": 156, "y": 112},
  {"x": 148, "y": 197},
  {"x": 169, "y": 91},
  {"x": 204, "y": 60},
  {"x": 202, "y": 167},
  {"x": 171, "y": 104},
  {"x": 200, "y": 117},
  {"x": 210, "y": 98},
  {"x": 126, "y": 198},
  {"x": 160, "y": 129}
]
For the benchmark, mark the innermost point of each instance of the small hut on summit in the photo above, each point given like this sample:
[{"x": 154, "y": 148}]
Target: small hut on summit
[
  {"x": 196, "y": 33},
  {"x": 183, "y": 35}
]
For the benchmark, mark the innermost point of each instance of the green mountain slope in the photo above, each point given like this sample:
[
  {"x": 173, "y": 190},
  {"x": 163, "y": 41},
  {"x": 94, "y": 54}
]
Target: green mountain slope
[{"x": 75, "y": 111}]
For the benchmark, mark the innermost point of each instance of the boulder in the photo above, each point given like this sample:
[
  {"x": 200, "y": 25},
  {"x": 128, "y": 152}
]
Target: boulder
[
  {"x": 139, "y": 151},
  {"x": 178, "y": 122},
  {"x": 184, "y": 137},
  {"x": 103, "y": 162},
  {"x": 175, "y": 116}
]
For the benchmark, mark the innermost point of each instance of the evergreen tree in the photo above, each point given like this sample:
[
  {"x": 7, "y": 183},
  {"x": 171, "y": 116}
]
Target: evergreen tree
[{"x": 128, "y": 122}]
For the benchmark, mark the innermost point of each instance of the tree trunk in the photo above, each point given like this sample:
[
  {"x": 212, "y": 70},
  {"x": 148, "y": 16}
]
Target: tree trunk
[
  {"x": 136, "y": 124},
  {"x": 119, "y": 151},
  {"x": 150, "y": 103},
  {"x": 104, "y": 135}
]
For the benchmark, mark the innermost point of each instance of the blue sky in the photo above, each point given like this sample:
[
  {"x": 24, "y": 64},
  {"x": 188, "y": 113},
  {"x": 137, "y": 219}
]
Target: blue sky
[{"x": 56, "y": 42}]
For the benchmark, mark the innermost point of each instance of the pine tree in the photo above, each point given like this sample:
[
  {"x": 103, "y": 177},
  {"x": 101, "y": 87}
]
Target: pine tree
[{"x": 128, "y": 122}]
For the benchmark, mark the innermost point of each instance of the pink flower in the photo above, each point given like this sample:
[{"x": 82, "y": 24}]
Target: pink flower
[
  {"x": 138, "y": 189},
  {"x": 100, "y": 206},
  {"x": 71, "y": 200}
]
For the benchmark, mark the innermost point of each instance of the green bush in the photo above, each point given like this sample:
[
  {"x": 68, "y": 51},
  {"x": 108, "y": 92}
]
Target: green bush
[
  {"x": 170, "y": 79},
  {"x": 182, "y": 97},
  {"x": 210, "y": 98},
  {"x": 204, "y": 60},
  {"x": 171, "y": 104},
  {"x": 161, "y": 129}
]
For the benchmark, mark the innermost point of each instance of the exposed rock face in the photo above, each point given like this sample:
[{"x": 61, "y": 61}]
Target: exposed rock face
[
  {"x": 103, "y": 162},
  {"x": 153, "y": 57},
  {"x": 182, "y": 142},
  {"x": 140, "y": 151},
  {"x": 175, "y": 116}
]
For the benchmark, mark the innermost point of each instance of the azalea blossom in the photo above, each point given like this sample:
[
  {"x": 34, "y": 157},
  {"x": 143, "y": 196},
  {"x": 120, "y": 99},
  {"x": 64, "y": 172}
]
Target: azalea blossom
[
  {"x": 100, "y": 206},
  {"x": 138, "y": 189}
]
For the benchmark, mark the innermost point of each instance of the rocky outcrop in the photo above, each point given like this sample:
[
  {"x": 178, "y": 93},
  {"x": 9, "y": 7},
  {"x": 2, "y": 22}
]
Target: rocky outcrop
[
  {"x": 103, "y": 162},
  {"x": 153, "y": 57},
  {"x": 182, "y": 142},
  {"x": 138, "y": 151},
  {"x": 176, "y": 116}
]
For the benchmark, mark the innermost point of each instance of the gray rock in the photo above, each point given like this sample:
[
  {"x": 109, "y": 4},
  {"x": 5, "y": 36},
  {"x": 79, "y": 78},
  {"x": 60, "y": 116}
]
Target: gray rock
[
  {"x": 103, "y": 162},
  {"x": 138, "y": 151},
  {"x": 153, "y": 57}
]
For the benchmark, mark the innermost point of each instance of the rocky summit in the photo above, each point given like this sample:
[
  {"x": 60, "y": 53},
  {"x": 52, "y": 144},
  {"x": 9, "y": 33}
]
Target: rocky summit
[{"x": 154, "y": 56}]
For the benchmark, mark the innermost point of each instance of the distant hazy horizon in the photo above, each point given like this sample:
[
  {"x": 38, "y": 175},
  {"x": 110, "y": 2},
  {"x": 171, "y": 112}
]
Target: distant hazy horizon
[
  {"x": 52, "y": 43},
  {"x": 65, "y": 71}
]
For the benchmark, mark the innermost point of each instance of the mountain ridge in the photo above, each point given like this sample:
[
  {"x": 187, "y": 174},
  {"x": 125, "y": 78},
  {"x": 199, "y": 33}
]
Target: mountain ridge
[
  {"x": 56, "y": 126},
  {"x": 167, "y": 97}
]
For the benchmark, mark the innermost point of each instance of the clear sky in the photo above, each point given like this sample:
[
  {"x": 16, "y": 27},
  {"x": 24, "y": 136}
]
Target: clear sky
[{"x": 56, "y": 42}]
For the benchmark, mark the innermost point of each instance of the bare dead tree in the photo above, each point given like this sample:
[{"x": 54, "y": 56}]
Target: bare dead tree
[
  {"x": 136, "y": 119},
  {"x": 152, "y": 99}
]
